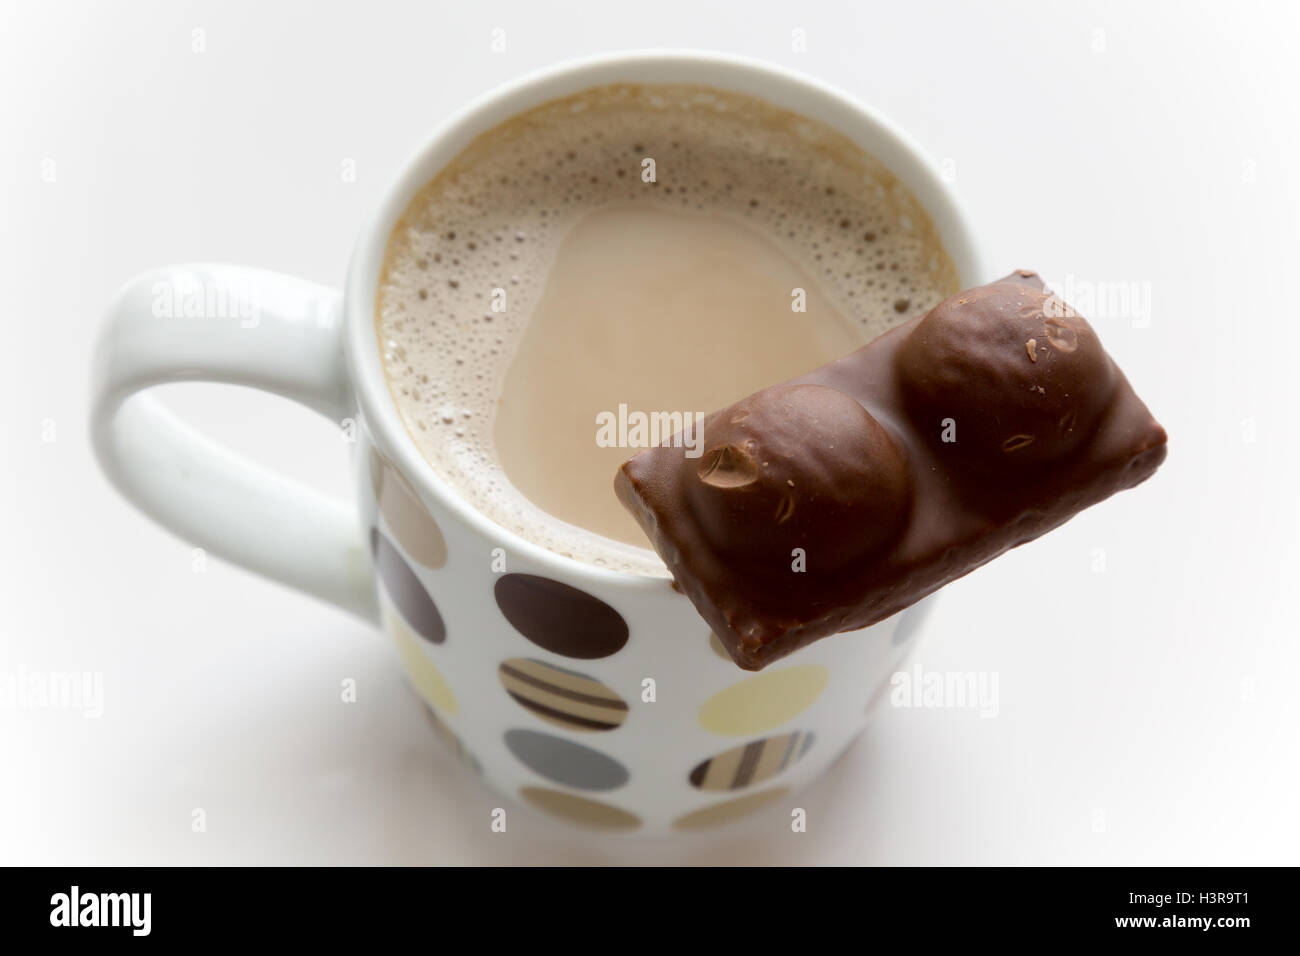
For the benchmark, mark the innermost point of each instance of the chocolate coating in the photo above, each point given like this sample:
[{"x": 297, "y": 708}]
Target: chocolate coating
[
  {"x": 887, "y": 511},
  {"x": 797, "y": 466},
  {"x": 1022, "y": 378}
]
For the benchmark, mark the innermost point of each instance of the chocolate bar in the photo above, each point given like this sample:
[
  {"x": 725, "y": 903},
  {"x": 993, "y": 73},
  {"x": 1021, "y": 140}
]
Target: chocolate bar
[{"x": 829, "y": 502}]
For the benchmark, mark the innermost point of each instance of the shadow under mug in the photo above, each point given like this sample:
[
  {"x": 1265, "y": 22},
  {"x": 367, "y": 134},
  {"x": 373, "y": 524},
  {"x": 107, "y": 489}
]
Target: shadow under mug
[{"x": 595, "y": 696}]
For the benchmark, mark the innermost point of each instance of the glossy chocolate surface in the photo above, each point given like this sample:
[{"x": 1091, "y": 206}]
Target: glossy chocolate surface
[{"x": 830, "y": 502}]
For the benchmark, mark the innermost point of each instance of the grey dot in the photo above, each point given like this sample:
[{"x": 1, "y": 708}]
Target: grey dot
[
  {"x": 911, "y": 620},
  {"x": 564, "y": 762}
]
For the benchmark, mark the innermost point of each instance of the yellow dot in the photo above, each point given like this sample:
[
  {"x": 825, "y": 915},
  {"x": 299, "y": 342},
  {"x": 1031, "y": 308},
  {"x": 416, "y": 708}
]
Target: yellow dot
[
  {"x": 580, "y": 810},
  {"x": 763, "y": 702},
  {"x": 729, "y": 811},
  {"x": 426, "y": 678}
]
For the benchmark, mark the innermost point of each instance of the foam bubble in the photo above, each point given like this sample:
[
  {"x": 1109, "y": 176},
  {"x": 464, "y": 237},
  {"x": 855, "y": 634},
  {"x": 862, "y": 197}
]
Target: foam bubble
[{"x": 488, "y": 226}]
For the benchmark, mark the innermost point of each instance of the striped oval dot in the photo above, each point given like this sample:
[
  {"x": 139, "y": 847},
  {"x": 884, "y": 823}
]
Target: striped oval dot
[
  {"x": 408, "y": 520},
  {"x": 566, "y": 698},
  {"x": 428, "y": 680},
  {"x": 405, "y": 590},
  {"x": 751, "y": 763},
  {"x": 764, "y": 702},
  {"x": 721, "y": 814},
  {"x": 580, "y": 810},
  {"x": 564, "y": 762}
]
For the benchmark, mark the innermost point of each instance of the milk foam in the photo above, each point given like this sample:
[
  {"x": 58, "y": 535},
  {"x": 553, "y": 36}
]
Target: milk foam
[{"x": 485, "y": 231}]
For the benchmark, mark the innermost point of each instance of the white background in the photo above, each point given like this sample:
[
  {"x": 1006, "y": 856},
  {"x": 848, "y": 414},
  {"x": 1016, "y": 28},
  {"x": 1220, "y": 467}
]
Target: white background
[{"x": 1147, "y": 712}]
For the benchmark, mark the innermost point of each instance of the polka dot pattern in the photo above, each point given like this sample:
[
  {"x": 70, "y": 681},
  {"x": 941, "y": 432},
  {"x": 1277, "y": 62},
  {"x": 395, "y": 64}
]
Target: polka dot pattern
[
  {"x": 408, "y": 520},
  {"x": 452, "y": 741},
  {"x": 572, "y": 623},
  {"x": 752, "y": 763},
  {"x": 566, "y": 698},
  {"x": 580, "y": 810},
  {"x": 405, "y": 590},
  {"x": 721, "y": 814},
  {"x": 764, "y": 702},
  {"x": 561, "y": 619},
  {"x": 565, "y": 762},
  {"x": 422, "y": 672}
]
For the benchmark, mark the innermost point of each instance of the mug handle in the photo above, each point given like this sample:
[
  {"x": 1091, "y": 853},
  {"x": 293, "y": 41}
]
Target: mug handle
[{"x": 218, "y": 323}]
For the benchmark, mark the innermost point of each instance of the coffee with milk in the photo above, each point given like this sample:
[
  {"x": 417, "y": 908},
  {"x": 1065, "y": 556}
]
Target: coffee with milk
[{"x": 628, "y": 255}]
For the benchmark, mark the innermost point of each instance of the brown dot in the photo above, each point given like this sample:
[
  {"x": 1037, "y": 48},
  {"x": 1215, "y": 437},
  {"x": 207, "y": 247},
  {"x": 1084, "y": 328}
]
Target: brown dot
[
  {"x": 405, "y": 590},
  {"x": 902, "y": 305},
  {"x": 559, "y": 618}
]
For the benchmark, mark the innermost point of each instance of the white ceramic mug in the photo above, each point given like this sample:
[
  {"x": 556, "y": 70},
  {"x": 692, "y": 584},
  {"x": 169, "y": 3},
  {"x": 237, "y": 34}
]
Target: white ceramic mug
[{"x": 596, "y": 696}]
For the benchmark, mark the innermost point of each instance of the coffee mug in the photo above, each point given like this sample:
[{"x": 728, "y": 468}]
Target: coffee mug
[{"x": 595, "y": 696}]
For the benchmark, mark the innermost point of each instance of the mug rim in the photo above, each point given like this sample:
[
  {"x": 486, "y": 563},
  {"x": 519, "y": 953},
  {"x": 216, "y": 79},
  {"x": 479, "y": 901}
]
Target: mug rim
[{"x": 916, "y": 171}]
